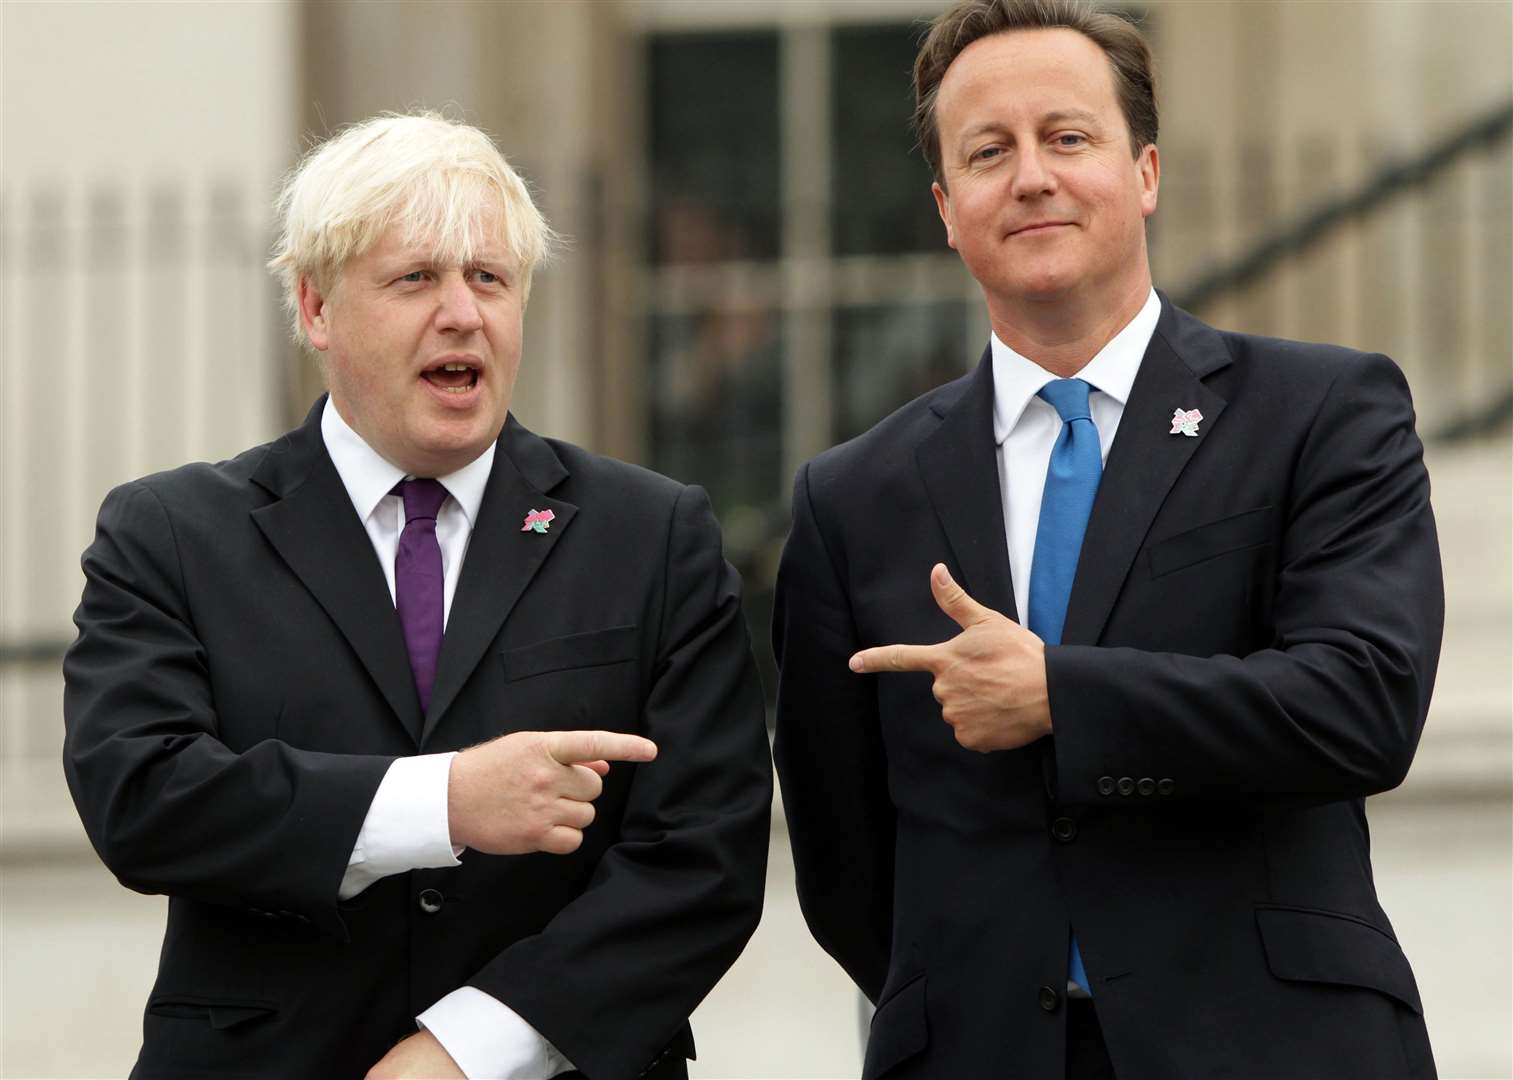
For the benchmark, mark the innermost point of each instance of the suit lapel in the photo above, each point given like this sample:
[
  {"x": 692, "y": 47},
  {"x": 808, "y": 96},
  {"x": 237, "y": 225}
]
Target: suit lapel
[
  {"x": 501, "y": 558},
  {"x": 958, "y": 464},
  {"x": 315, "y": 531},
  {"x": 1144, "y": 463}
]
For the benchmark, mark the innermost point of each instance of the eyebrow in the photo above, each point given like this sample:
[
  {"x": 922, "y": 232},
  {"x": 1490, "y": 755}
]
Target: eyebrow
[
  {"x": 424, "y": 258},
  {"x": 1057, "y": 116},
  {"x": 1062, "y": 115}
]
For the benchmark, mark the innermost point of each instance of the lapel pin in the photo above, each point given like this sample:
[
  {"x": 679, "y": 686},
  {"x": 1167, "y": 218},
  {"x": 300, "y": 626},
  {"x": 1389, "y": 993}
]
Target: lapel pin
[
  {"x": 1186, "y": 423},
  {"x": 538, "y": 521}
]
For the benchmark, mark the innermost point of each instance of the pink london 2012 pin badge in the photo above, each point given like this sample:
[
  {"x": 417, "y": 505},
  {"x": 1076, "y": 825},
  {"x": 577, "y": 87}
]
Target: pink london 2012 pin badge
[
  {"x": 538, "y": 521},
  {"x": 1186, "y": 423}
]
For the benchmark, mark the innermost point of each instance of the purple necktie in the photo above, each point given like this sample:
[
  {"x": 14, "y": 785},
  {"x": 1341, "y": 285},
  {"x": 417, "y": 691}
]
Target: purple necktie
[{"x": 418, "y": 588}]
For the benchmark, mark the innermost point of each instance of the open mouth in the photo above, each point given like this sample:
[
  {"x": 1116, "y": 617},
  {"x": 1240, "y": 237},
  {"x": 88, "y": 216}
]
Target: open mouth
[{"x": 455, "y": 377}]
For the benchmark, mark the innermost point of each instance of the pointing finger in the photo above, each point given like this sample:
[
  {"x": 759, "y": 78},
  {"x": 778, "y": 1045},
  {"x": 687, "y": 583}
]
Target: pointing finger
[
  {"x": 895, "y": 658},
  {"x": 953, "y": 599},
  {"x": 569, "y": 747}
]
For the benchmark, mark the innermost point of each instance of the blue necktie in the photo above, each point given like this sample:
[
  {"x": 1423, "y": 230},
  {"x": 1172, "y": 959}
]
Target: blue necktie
[{"x": 1071, "y": 484}]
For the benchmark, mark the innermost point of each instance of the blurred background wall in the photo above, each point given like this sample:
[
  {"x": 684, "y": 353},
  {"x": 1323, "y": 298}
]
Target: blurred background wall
[{"x": 755, "y": 272}]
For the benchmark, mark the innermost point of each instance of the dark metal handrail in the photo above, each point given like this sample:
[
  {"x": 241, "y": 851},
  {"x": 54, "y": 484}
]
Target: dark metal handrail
[
  {"x": 32, "y": 652},
  {"x": 1313, "y": 226}
]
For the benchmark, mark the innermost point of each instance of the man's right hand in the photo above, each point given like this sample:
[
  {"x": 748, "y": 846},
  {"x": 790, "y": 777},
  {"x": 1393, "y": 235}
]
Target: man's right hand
[{"x": 533, "y": 790}]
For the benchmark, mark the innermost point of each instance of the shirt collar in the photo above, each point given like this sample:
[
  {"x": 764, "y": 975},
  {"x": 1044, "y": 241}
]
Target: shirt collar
[
  {"x": 368, "y": 476},
  {"x": 1017, "y": 379}
]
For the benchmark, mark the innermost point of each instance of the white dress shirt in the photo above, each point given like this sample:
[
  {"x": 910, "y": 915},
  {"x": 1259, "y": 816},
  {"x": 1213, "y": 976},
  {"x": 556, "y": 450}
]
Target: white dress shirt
[
  {"x": 1025, "y": 428},
  {"x": 406, "y": 825}
]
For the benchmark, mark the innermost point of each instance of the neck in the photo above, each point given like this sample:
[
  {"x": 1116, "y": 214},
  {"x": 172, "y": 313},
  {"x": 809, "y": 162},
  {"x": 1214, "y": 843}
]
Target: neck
[{"x": 1063, "y": 333}]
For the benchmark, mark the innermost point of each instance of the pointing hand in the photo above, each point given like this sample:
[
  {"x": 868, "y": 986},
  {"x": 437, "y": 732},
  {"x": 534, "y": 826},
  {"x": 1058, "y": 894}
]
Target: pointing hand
[
  {"x": 989, "y": 679},
  {"x": 534, "y": 790}
]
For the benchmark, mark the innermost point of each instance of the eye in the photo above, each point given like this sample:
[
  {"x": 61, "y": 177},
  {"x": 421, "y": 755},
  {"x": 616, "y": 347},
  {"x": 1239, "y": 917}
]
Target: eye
[
  {"x": 987, "y": 153},
  {"x": 1070, "y": 139},
  {"x": 413, "y": 276},
  {"x": 488, "y": 277}
]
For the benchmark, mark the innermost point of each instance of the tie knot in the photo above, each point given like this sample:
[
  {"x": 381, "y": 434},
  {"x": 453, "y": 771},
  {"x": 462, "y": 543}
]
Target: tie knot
[
  {"x": 1068, "y": 397},
  {"x": 423, "y": 497}
]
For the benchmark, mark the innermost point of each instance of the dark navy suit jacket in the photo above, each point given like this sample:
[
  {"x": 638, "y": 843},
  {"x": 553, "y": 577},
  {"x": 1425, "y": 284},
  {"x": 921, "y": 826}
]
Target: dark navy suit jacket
[{"x": 1249, "y": 650}]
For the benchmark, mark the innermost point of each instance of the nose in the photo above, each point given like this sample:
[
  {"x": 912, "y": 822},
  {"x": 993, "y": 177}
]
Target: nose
[
  {"x": 458, "y": 310},
  {"x": 1031, "y": 177}
]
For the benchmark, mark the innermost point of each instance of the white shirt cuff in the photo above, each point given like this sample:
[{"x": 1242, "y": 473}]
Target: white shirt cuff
[
  {"x": 488, "y": 1040},
  {"x": 406, "y": 827}
]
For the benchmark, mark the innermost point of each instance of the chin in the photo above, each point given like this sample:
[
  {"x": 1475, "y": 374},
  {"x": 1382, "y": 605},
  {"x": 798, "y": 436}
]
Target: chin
[
  {"x": 1043, "y": 287},
  {"x": 448, "y": 451}
]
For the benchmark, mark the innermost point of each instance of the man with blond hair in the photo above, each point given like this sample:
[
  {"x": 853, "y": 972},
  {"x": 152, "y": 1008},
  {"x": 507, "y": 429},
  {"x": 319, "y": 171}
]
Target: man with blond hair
[
  {"x": 1074, "y": 761},
  {"x": 413, "y": 715}
]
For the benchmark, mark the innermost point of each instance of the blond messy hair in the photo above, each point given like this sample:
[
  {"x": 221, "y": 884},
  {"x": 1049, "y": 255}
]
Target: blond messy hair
[{"x": 444, "y": 182}]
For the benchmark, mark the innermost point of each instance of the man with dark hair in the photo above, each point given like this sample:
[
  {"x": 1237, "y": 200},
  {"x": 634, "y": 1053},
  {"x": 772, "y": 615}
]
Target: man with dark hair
[{"x": 1089, "y": 659}]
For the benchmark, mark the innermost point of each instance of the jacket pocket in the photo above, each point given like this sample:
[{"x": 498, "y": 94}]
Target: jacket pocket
[
  {"x": 1305, "y": 945},
  {"x": 1250, "y": 529},
  {"x": 593, "y": 649},
  {"x": 219, "y": 1013},
  {"x": 900, "y": 1029},
  {"x": 674, "y": 1058}
]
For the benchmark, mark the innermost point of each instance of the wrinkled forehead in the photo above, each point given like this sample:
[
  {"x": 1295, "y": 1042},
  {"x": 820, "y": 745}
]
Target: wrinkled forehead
[
  {"x": 471, "y": 237},
  {"x": 453, "y": 234}
]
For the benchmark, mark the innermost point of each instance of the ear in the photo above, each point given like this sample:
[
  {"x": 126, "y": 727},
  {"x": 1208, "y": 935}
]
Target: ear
[
  {"x": 312, "y": 313},
  {"x": 1149, "y": 164},
  {"x": 943, "y": 206}
]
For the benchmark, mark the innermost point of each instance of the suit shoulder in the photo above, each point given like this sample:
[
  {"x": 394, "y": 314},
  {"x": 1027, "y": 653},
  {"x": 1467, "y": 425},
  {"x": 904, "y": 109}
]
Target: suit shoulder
[
  {"x": 607, "y": 476},
  {"x": 888, "y": 442},
  {"x": 1299, "y": 363},
  {"x": 203, "y": 483}
]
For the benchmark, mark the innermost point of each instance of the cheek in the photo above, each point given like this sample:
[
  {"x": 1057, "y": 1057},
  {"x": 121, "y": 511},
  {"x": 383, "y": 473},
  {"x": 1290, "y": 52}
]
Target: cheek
[{"x": 341, "y": 377}]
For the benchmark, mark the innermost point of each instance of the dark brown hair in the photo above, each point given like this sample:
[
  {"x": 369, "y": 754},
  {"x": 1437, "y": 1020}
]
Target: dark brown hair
[{"x": 971, "y": 20}]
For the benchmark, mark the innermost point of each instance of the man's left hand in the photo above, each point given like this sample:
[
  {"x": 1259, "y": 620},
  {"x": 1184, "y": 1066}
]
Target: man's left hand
[
  {"x": 989, "y": 679},
  {"x": 420, "y": 1057}
]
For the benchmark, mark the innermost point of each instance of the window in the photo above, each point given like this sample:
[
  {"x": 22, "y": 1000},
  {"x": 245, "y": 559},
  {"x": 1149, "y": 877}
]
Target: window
[{"x": 796, "y": 285}]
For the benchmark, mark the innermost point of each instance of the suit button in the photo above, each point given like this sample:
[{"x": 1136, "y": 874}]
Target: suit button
[
  {"x": 1165, "y": 786},
  {"x": 1105, "y": 785},
  {"x": 1050, "y": 1000},
  {"x": 1064, "y": 829},
  {"x": 1146, "y": 786},
  {"x": 1126, "y": 785},
  {"x": 430, "y": 901}
]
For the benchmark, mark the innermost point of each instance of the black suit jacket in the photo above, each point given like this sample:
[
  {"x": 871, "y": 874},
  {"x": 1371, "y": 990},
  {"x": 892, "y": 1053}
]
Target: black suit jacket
[
  {"x": 1249, "y": 649},
  {"x": 240, "y": 685}
]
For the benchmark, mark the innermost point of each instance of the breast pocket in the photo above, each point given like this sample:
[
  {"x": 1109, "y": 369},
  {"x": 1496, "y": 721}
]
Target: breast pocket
[
  {"x": 585, "y": 680},
  {"x": 596, "y": 648},
  {"x": 1208, "y": 589},
  {"x": 1242, "y": 532}
]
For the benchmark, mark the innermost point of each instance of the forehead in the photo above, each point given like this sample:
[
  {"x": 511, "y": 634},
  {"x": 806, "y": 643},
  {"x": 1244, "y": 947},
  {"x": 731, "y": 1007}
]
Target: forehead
[
  {"x": 480, "y": 238},
  {"x": 1026, "y": 71}
]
